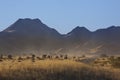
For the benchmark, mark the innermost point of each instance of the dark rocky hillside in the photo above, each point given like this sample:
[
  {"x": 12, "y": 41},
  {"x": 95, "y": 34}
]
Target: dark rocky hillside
[{"x": 33, "y": 36}]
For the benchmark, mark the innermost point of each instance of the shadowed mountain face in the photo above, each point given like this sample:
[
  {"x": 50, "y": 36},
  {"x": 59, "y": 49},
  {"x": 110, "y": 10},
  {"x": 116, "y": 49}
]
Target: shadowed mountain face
[
  {"x": 79, "y": 35},
  {"x": 28, "y": 34},
  {"x": 31, "y": 27},
  {"x": 32, "y": 36}
]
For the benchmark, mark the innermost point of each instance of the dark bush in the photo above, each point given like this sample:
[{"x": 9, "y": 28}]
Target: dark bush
[
  {"x": 44, "y": 56},
  {"x": 115, "y": 62},
  {"x": 33, "y": 58},
  {"x": 1, "y": 56},
  {"x": 20, "y": 59},
  {"x": 65, "y": 57},
  {"x": 10, "y": 56}
]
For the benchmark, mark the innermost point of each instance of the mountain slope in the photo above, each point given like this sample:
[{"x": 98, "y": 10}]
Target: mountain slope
[
  {"x": 28, "y": 34},
  {"x": 33, "y": 36}
]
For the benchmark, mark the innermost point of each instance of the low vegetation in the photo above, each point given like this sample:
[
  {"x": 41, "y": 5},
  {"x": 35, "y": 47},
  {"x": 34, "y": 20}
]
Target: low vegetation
[
  {"x": 115, "y": 61},
  {"x": 108, "y": 61},
  {"x": 52, "y": 68}
]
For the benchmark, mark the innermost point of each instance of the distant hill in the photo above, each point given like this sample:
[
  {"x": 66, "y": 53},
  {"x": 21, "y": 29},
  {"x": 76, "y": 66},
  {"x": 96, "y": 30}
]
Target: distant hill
[{"x": 27, "y": 36}]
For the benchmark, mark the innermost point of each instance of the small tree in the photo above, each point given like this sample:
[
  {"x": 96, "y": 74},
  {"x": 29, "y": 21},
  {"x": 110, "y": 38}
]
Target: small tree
[
  {"x": 56, "y": 57},
  {"x": 118, "y": 58},
  {"x": 65, "y": 57},
  {"x": 44, "y": 56},
  {"x": 28, "y": 57},
  {"x": 1, "y": 60},
  {"x": 38, "y": 58},
  {"x": 1, "y": 56},
  {"x": 61, "y": 56},
  {"x": 20, "y": 59},
  {"x": 74, "y": 57},
  {"x": 49, "y": 57},
  {"x": 10, "y": 56},
  {"x": 33, "y": 58}
]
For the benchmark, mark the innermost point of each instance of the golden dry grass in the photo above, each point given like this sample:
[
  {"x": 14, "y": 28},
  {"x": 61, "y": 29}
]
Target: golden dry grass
[{"x": 53, "y": 70}]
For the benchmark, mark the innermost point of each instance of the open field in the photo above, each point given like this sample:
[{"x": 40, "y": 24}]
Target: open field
[{"x": 54, "y": 69}]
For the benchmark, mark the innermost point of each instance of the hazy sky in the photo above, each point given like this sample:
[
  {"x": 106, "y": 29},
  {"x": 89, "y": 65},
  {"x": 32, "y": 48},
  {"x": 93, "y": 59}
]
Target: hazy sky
[{"x": 63, "y": 15}]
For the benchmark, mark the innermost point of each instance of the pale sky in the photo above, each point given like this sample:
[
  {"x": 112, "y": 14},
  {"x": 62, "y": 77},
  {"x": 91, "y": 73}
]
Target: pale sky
[{"x": 63, "y": 15}]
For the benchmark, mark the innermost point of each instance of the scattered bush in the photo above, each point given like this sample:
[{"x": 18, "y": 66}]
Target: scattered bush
[
  {"x": 20, "y": 59},
  {"x": 56, "y": 57},
  {"x": 44, "y": 56},
  {"x": 1, "y": 56},
  {"x": 61, "y": 56},
  {"x": 33, "y": 58},
  {"x": 103, "y": 55},
  {"x": 83, "y": 56},
  {"x": 65, "y": 57},
  {"x": 10, "y": 56},
  {"x": 38, "y": 58},
  {"x": 49, "y": 57},
  {"x": 115, "y": 62}
]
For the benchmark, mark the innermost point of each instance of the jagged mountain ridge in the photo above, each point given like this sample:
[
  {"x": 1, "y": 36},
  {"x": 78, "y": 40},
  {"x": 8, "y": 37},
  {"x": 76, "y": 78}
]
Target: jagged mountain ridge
[{"x": 31, "y": 35}]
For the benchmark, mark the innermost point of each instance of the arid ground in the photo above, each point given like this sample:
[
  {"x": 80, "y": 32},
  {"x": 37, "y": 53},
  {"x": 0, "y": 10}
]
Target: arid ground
[{"x": 47, "y": 68}]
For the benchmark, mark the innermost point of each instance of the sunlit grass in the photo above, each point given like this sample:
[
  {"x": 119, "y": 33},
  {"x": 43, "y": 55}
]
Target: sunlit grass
[{"x": 53, "y": 70}]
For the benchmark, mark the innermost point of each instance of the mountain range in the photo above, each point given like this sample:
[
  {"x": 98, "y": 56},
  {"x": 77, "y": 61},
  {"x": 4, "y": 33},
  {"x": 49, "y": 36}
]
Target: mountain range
[{"x": 28, "y": 36}]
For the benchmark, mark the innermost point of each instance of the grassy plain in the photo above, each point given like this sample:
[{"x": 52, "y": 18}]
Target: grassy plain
[{"x": 54, "y": 70}]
